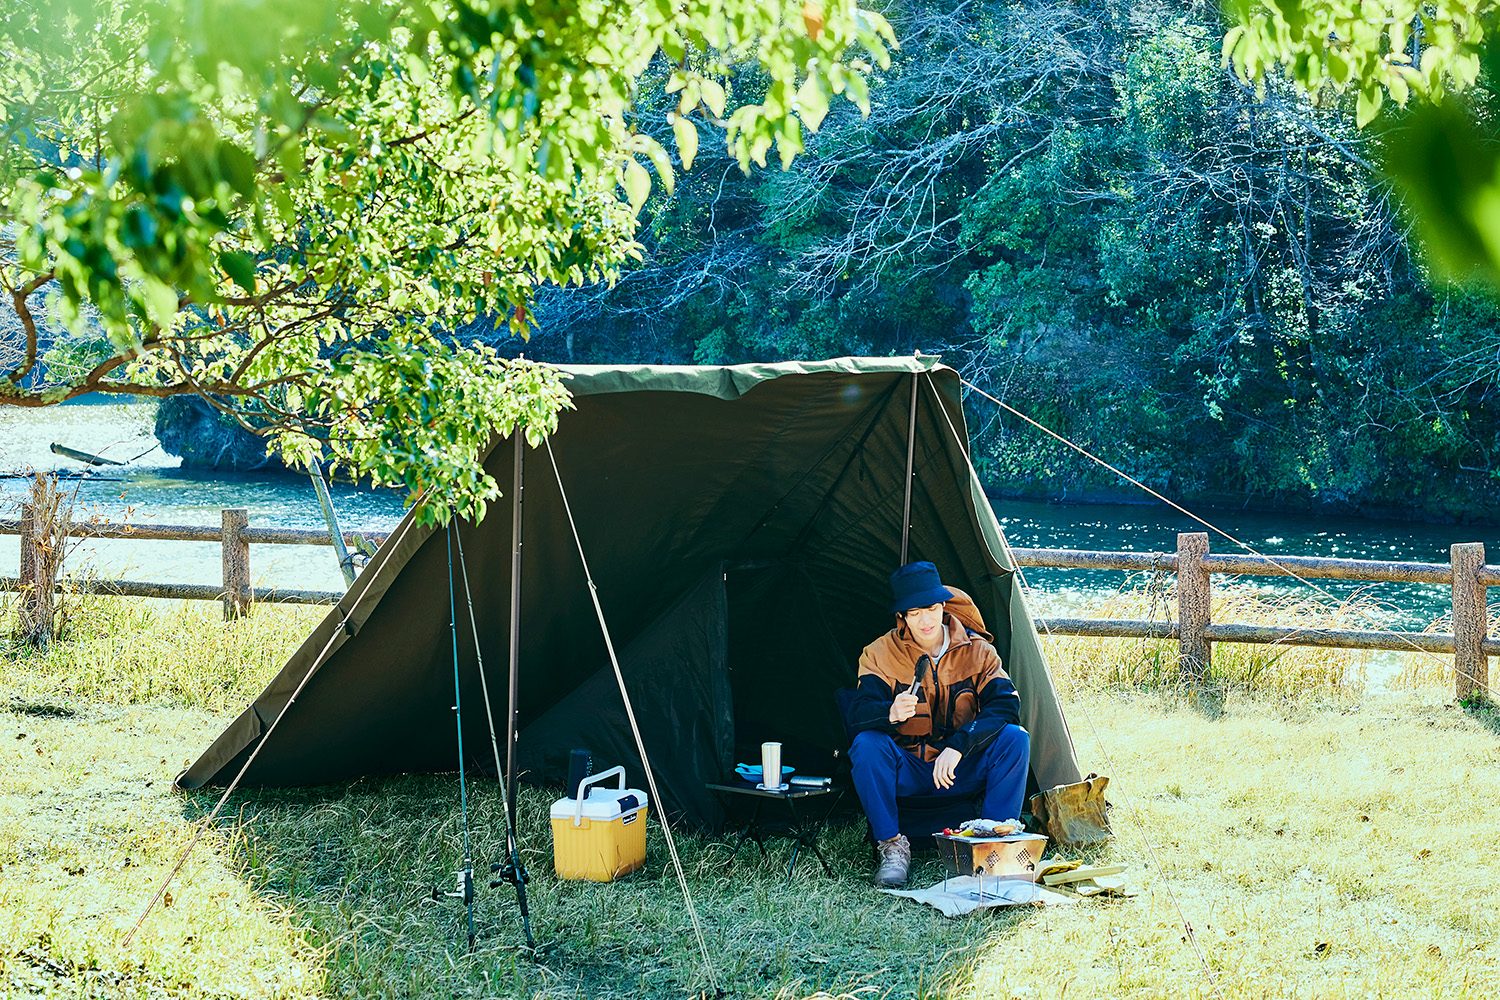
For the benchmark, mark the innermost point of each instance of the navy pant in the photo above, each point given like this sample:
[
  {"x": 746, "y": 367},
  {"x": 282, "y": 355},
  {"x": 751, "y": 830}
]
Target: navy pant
[{"x": 882, "y": 771}]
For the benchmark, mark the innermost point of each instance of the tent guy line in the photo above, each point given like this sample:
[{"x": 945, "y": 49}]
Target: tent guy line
[
  {"x": 1135, "y": 816},
  {"x": 640, "y": 743},
  {"x": 207, "y": 821},
  {"x": 1218, "y": 530}
]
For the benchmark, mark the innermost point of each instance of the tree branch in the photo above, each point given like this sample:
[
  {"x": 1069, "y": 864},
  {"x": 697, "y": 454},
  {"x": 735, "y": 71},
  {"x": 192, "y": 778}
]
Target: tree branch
[{"x": 28, "y": 323}]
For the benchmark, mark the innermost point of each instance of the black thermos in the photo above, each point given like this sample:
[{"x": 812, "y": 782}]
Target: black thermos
[{"x": 579, "y": 767}]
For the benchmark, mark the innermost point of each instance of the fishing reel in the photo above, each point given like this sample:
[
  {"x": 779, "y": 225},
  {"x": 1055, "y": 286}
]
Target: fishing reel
[
  {"x": 463, "y": 888},
  {"x": 511, "y": 872}
]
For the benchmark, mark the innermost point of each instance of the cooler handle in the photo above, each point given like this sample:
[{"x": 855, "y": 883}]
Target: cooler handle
[{"x": 618, "y": 771}]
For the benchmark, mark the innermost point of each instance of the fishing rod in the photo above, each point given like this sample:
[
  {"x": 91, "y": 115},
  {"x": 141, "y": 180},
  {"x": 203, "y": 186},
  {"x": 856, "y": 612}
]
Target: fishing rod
[
  {"x": 464, "y": 877},
  {"x": 511, "y": 871}
]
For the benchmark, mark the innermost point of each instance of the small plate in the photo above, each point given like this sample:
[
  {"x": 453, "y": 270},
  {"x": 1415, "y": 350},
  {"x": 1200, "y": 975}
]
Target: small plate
[{"x": 751, "y": 772}]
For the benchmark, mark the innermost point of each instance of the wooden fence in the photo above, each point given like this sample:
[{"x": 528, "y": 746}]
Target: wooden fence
[
  {"x": 234, "y": 534},
  {"x": 1466, "y": 574}
]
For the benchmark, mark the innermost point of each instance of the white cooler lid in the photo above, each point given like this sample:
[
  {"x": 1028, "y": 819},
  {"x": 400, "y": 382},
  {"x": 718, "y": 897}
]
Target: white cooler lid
[{"x": 601, "y": 804}]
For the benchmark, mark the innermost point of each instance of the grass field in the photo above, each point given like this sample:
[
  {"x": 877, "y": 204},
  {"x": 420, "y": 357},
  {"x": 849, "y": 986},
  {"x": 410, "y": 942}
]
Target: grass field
[{"x": 1318, "y": 839}]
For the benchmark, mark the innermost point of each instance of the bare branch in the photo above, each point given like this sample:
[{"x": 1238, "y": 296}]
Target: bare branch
[{"x": 18, "y": 299}]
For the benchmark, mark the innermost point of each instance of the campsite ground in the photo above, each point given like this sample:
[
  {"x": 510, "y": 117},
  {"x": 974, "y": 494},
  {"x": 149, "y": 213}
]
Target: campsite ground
[{"x": 1320, "y": 840}]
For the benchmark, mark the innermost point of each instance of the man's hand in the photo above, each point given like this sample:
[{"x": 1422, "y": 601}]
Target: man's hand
[
  {"x": 903, "y": 708},
  {"x": 944, "y": 766}
]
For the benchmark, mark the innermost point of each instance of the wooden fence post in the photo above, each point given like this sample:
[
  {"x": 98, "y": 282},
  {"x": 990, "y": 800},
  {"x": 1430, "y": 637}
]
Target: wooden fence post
[
  {"x": 1471, "y": 668},
  {"x": 237, "y": 593},
  {"x": 36, "y": 596},
  {"x": 1193, "y": 653}
]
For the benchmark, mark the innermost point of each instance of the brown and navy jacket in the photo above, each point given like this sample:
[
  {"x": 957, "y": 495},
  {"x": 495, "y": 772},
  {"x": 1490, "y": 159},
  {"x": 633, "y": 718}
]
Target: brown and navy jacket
[{"x": 964, "y": 700}]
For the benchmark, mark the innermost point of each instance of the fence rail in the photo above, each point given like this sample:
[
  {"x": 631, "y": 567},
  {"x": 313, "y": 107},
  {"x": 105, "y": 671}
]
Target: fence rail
[
  {"x": 1466, "y": 574},
  {"x": 234, "y": 534},
  {"x": 1194, "y": 565},
  {"x": 1311, "y": 567},
  {"x": 201, "y": 533}
]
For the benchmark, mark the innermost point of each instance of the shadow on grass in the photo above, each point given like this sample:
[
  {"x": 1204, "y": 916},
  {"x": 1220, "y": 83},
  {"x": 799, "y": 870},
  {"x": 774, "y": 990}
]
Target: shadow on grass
[
  {"x": 1207, "y": 699},
  {"x": 356, "y": 865},
  {"x": 1484, "y": 711},
  {"x": 41, "y": 709}
]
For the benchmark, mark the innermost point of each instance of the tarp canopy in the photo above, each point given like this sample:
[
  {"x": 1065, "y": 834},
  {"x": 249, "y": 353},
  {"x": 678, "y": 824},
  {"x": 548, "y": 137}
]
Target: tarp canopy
[{"x": 740, "y": 523}]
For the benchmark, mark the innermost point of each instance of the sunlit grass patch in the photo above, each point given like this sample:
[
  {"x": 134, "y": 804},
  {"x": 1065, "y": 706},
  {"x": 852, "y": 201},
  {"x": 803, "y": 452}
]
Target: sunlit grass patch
[
  {"x": 1316, "y": 854},
  {"x": 88, "y": 830},
  {"x": 134, "y": 651},
  {"x": 1318, "y": 847},
  {"x": 1311, "y": 849}
]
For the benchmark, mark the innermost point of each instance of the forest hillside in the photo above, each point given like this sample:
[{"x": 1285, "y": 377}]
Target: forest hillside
[{"x": 1079, "y": 207}]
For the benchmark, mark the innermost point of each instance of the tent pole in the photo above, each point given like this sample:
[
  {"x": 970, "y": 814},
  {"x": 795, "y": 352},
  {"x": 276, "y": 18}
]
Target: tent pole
[
  {"x": 515, "y": 625},
  {"x": 911, "y": 445},
  {"x": 512, "y": 870}
]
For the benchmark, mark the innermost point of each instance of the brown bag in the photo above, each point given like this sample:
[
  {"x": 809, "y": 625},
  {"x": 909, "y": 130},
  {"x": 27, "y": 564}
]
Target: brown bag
[{"x": 1074, "y": 815}]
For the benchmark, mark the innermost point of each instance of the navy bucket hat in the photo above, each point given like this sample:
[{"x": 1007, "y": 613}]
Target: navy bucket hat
[{"x": 916, "y": 585}]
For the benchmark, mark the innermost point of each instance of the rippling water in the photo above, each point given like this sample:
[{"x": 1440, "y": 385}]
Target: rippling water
[
  {"x": 1154, "y": 528},
  {"x": 154, "y": 490}
]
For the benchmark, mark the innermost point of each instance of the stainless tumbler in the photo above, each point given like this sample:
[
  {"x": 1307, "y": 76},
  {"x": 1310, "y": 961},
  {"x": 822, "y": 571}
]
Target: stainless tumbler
[{"x": 770, "y": 765}]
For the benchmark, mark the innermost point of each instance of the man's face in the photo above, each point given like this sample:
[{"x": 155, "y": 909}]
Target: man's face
[{"x": 926, "y": 623}]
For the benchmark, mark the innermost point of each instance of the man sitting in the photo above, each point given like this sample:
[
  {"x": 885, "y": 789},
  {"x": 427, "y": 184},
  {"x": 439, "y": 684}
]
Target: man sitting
[{"x": 934, "y": 714}]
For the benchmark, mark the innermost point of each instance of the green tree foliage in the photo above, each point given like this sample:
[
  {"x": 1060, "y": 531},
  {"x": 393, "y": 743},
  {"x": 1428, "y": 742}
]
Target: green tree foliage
[
  {"x": 291, "y": 206},
  {"x": 1082, "y": 209},
  {"x": 1438, "y": 55}
]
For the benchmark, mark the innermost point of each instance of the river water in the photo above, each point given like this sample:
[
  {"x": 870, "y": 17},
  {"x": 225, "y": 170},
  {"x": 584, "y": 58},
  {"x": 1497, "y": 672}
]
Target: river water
[
  {"x": 154, "y": 490},
  {"x": 1154, "y": 528}
]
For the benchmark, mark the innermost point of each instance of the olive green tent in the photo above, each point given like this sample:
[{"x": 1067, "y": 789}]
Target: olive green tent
[{"x": 739, "y": 523}]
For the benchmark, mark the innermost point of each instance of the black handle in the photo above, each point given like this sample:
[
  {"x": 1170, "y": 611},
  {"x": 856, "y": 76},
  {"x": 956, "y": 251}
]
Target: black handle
[{"x": 916, "y": 681}]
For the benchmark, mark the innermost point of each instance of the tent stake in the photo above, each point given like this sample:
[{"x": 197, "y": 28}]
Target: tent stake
[{"x": 911, "y": 447}]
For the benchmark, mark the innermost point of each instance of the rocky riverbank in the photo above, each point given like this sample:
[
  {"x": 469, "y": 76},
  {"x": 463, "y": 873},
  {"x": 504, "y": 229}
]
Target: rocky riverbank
[{"x": 204, "y": 438}]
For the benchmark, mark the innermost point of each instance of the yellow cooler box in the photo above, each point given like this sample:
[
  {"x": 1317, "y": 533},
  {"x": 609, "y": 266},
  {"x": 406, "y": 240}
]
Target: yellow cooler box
[{"x": 600, "y": 835}]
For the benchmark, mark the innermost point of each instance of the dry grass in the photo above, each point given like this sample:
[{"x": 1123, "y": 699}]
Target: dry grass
[
  {"x": 1316, "y": 854},
  {"x": 1289, "y": 832},
  {"x": 1273, "y": 671},
  {"x": 124, "y": 651},
  {"x": 1419, "y": 671},
  {"x": 88, "y": 828}
]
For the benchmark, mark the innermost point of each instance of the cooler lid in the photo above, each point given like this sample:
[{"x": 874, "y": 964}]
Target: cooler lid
[{"x": 601, "y": 804}]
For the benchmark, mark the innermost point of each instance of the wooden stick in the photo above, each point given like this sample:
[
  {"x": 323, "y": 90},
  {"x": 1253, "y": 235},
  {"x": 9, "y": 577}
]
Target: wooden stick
[{"x": 1079, "y": 874}]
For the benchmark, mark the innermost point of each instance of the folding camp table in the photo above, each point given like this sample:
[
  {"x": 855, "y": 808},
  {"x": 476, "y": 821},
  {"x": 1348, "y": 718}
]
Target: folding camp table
[{"x": 801, "y": 825}]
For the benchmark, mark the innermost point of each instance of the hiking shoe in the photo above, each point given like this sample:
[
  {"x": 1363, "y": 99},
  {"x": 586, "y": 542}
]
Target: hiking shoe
[{"x": 895, "y": 862}]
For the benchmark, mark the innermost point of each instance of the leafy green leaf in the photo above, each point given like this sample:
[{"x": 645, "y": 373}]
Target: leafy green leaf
[
  {"x": 713, "y": 97},
  {"x": 1368, "y": 105},
  {"x": 687, "y": 140},
  {"x": 160, "y": 301},
  {"x": 237, "y": 167},
  {"x": 240, "y": 267},
  {"x": 637, "y": 184},
  {"x": 1450, "y": 172},
  {"x": 812, "y": 103}
]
